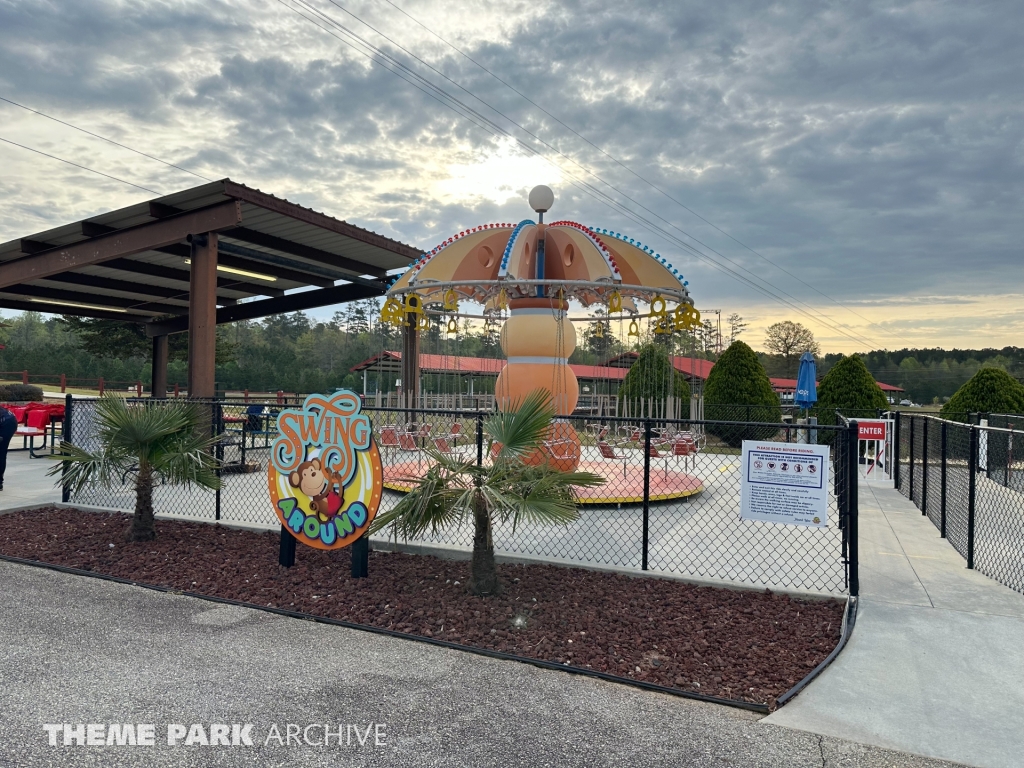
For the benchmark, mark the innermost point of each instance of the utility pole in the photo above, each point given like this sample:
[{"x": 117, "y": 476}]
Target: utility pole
[{"x": 718, "y": 333}]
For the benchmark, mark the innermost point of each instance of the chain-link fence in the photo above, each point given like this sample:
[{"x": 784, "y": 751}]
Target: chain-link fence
[
  {"x": 967, "y": 479},
  {"x": 670, "y": 503}
]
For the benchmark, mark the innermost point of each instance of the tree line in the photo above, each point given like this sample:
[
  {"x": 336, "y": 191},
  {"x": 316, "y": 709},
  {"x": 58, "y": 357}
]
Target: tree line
[{"x": 297, "y": 353}]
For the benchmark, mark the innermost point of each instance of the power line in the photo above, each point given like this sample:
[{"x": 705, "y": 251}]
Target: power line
[
  {"x": 611, "y": 157},
  {"x": 823, "y": 318},
  {"x": 376, "y": 55},
  {"x": 104, "y": 138},
  {"x": 83, "y": 167}
]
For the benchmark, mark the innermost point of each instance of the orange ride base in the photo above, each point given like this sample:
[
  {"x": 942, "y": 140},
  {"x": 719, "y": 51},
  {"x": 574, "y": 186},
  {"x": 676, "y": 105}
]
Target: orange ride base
[{"x": 625, "y": 482}]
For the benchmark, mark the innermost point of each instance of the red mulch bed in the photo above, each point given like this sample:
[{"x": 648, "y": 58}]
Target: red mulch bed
[{"x": 734, "y": 644}]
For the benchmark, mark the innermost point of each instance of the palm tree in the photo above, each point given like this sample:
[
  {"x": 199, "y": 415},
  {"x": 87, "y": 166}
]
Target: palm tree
[
  {"x": 165, "y": 439},
  {"x": 454, "y": 489}
]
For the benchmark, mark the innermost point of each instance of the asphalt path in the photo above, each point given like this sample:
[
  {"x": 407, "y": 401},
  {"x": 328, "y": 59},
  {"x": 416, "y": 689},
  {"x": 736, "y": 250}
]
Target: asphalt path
[{"x": 77, "y": 651}]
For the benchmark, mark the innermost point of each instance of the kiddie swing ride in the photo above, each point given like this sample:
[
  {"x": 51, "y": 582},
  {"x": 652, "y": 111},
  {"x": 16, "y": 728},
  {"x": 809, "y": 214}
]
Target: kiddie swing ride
[{"x": 525, "y": 275}]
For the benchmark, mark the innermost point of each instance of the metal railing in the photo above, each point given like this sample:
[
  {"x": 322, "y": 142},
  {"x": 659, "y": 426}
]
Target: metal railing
[
  {"x": 969, "y": 480},
  {"x": 671, "y": 502}
]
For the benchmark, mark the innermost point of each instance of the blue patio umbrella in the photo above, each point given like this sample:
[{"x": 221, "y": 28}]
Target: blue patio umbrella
[{"x": 806, "y": 388}]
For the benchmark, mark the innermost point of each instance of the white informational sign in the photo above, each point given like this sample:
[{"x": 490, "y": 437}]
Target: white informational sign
[{"x": 784, "y": 483}]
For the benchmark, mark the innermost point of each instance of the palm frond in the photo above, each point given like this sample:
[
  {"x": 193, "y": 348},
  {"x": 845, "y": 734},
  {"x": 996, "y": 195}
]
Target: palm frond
[
  {"x": 84, "y": 468},
  {"x": 521, "y": 430},
  {"x": 170, "y": 438},
  {"x": 438, "y": 499}
]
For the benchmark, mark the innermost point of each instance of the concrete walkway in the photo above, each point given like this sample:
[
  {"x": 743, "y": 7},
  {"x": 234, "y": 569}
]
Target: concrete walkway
[
  {"x": 935, "y": 665},
  {"x": 25, "y": 481},
  {"x": 78, "y": 651}
]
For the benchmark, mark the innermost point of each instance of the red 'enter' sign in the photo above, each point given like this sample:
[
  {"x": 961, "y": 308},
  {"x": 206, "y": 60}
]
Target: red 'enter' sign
[{"x": 871, "y": 430}]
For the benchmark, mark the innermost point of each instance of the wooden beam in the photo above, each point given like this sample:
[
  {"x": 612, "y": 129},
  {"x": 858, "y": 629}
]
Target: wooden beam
[
  {"x": 58, "y": 294},
  {"x": 410, "y": 363},
  {"x": 162, "y": 211},
  {"x": 306, "y": 251},
  {"x": 94, "y": 229},
  {"x": 124, "y": 242},
  {"x": 33, "y": 246},
  {"x": 292, "y": 302},
  {"x": 160, "y": 357},
  {"x": 303, "y": 278},
  {"x": 125, "y": 286},
  {"x": 276, "y": 204},
  {"x": 29, "y": 306},
  {"x": 202, "y": 317},
  {"x": 182, "y": 276}
]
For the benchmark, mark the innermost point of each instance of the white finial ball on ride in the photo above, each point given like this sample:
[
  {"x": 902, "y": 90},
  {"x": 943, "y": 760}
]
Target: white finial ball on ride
[{"x": 541, "y": 198}]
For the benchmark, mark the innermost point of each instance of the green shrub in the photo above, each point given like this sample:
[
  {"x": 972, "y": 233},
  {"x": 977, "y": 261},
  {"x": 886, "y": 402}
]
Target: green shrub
[
  {"x": 990, "y": 390},
  {"x": 850, "y": 388},
  {"x": 13, "y": 393},
  {"x": 647, "y": 381},
  {"x": 738, "y": 389}
]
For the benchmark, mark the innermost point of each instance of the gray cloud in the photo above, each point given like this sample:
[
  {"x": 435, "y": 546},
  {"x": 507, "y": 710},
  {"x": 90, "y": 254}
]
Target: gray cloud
[{"x": 874, "y": 149}]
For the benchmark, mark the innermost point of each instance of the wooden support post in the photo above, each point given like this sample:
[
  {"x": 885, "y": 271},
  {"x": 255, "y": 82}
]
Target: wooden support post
[
  {"x": 63, "y": 383},
  {"x": 202, "y": 317},
  {"x": 101, "y": 385},
  {"x": 410, "y": 361},
  {"x": 159, "y": 379}
]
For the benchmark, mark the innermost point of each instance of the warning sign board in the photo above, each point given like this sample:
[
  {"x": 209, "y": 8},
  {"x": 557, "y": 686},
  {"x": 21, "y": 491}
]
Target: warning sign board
[{"x": 785, "y": 483}]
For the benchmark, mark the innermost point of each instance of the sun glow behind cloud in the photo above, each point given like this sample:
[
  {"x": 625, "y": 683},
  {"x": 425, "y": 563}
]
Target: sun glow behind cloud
[{"x": 496, "y": 177}]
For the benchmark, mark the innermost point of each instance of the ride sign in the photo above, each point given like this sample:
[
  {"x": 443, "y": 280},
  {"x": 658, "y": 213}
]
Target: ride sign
[
  {"x": 871, "y": 430},
  {"x": 784, "y": 483},
  {"x": 325, "y": 475}
]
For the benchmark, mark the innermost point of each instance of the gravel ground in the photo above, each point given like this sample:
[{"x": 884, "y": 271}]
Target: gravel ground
[
  {"x": 732, "y": 644},
  {"x": 77, "y": 650}
]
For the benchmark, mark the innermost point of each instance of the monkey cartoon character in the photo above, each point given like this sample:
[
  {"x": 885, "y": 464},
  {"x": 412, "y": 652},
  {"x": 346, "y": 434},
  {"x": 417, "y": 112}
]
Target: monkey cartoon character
[{"x": 318, "y": 482}]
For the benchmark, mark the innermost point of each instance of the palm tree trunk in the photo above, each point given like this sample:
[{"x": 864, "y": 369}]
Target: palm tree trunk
[
  {"x": 483, "y": 574},
  {"x": 143, "y": 528}
]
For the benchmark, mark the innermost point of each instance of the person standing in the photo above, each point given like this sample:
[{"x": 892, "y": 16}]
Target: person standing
[{"x": 8, "y": 425}]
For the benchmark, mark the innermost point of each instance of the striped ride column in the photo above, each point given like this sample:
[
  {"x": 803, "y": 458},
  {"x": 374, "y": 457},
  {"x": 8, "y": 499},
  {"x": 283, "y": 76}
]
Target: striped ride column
[{"x": 538, "y": 339}]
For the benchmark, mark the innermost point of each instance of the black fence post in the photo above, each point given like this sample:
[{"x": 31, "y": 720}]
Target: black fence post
[
  {"x": 65, "y": 435},
  {"x": 972, "y": 464},
  {"x": 853, "y": 471},
  {"x": 218, "y": 451},
  {"x": 924, "y": 467},
  {"x": 479, "y": 440},
  {"x": 286, "y": 556},
  {"x": 910, "y": 467},
  {"x": 360, "y": 556},
  {"x": 647, "y": 492},
  {"x": 896, "y": 449},
  {"x": 942, "y": 497}
]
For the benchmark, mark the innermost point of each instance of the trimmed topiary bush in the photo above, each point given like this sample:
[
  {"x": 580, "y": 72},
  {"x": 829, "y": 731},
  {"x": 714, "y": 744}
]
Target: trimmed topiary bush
[
  {"x": 17, "y": 393},
  {"x": 990, "y": 390},
  {"x": 738, "y": 389},
  {"x": 850, "y": 388},
  {"x": 647, "y": 381}
]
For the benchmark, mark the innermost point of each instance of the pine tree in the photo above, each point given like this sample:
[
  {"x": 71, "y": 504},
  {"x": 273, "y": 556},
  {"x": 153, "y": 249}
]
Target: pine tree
[
  {"x": 990, "y": 390},
  {"x": 738, "y": 389},
  {"x": 851, "y": 389}
]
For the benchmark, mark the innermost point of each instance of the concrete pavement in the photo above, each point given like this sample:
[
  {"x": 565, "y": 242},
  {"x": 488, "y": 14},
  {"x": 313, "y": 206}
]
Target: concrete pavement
[
  {"x": 935, "y": 665},
  {"x": 78, "y": 651}
]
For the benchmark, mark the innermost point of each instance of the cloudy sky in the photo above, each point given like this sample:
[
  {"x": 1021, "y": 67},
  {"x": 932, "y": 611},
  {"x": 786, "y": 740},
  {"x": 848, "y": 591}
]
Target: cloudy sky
[{"x": 855, "y": 166}]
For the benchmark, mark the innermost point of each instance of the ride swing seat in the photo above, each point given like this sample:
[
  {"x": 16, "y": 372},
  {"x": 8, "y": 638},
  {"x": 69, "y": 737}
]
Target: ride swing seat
[
  {"x": 608, "y": 452},
  {"x": 561, "y": 450}
]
